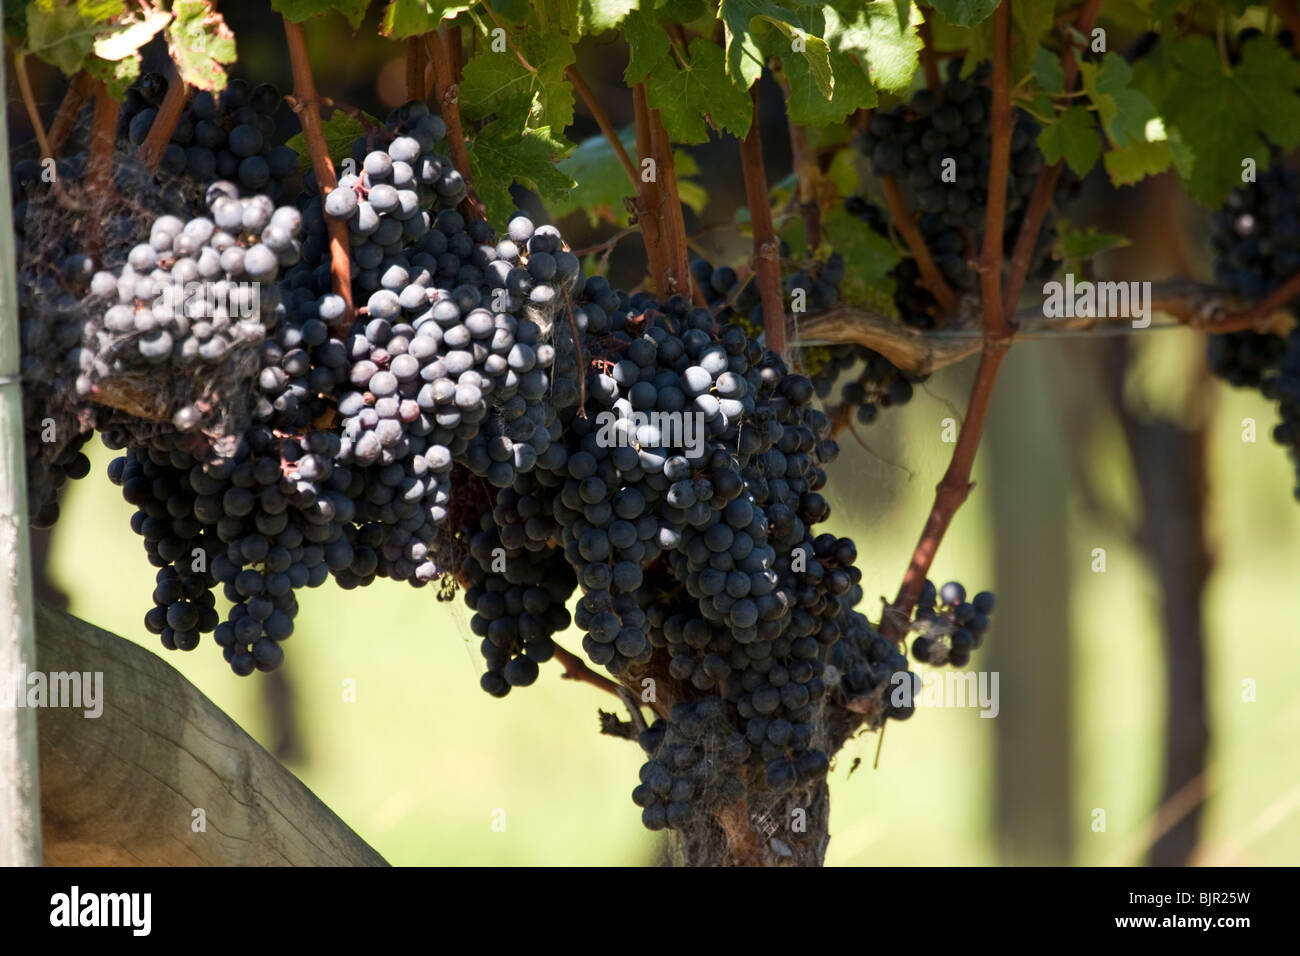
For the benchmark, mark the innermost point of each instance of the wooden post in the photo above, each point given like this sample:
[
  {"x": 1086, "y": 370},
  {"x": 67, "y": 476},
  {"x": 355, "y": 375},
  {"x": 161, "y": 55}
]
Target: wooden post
[
  {"x": 161, "y": 776},
  {"x": 20, "y": 810}
]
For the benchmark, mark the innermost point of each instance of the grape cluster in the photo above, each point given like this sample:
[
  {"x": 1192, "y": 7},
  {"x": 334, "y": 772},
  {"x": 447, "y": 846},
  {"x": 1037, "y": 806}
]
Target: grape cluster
[
  {"x": 491, "y": 415},
  {"x": 938, "y": 145},
  {"x": 1256, "y": 240},
  {"x": 222, "y": 136},
  {"x": 951, "y": 626}
]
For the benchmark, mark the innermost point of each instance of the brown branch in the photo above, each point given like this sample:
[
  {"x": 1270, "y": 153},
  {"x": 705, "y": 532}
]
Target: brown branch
[
  {"x": 103, "y": 135},
  {"x": 955, "y": 486},
  {"x": 679, "y": 278},
  {"x": 648, "y": 203},
  {"x": 576, "y": 669},
  {"x": 79, "y": 90},
  {"x": 455, "y": 50},
  {"x": 1199, "y": 307},
  {"x": 951, "y": 493},
  {"x": 806, "y": 169},
  {"x": 29, "y": 104},
  {"x": 1041, "y": 198},
  {"x": 164, "y": 123},
  {"x": 602, "y": 120},
  {"x": 902, "y": 220},
  {"x": 307, "y": 107},
  {"x": 447, "y": 93},
  {"x": 767, "y": 250},
  {"x": 995, "y": 320},
  {"x": 929, "y": 62},
  {"x": 415, "y": 88}
]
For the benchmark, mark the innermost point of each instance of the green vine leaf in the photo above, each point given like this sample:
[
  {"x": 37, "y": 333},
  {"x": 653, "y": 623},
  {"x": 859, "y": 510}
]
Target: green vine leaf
[
  {"x": 1072, "y": 136},
  {"x": 966, "y": 13},
  {"x": 340, "y": 130},
  {"x": 1124, "y": 111},
  {"x": 63, "y": 34},
  {"x": 868, "y": 256},
  {"x": 200, "y": 44},
  {"x": 412, "y": 18},
  {"x": 601, "y": 15},
  {"x": 685, "y": 96},
  {"x": 493, "y": 79},
  {"x": 1225, "y": 117},
  {"x": 116, "y": 75},
  {"x": 853, "y": 91},
  {"x": 647, "y": 43},
  {"x": 602, "y": 183},
  {"x": 882, "y": 35},
  {"x": 505, "y": 151},
  {"x": 354, "y": 11}
]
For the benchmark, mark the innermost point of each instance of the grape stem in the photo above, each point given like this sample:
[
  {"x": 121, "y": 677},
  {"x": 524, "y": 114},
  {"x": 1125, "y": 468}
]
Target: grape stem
[
  {"x": 415, "y": 88},
  {"x": 65, "y": 119},
  {"x": 649, "y": 214},
  {"x": 164, "y": 123},
  {"x": 956, "y": 485},
  {"x": 38, "y": 127},
  {"x": 1041, "y": 198},
  {"x": 901, "y": 218},
  {"x": 767, "y": 250},
  {"x": 804, "y": 161},
  {"x": 99, "y": 170},
  {"x": 575, "y": 669},
  {"x": 307, "y": 107},
  {"x": 447, "y": 93}
]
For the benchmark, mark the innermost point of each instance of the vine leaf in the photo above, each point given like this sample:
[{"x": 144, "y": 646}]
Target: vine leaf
[
  {"x": 868, "y": 256},
  {"x": 743, "y": 41},
  {"x": 492, "y": 79},
  {"x": 966, "y": 13},
  {"x": 601, "y": 15},
  {"x": 647, "y": 43},
  {"x": 354, "y": 11},
  {"x": 883, "y": 35},
  {"x": 1072, "y": 136},
  {"x": 1075, "y": 243},
  {"x": 1048, "y": 71},
  {"x": 340, "y": 130},
  {"x": 602, "y": 183},
  {"x": 507, "y": 151},
  {"x": 200, "y": 43},
  {"x": 412, "y": 18},
  {"x": 62, "y": 35},
  {"x": 116, "y": 75},
  {"x": 684, "y": 96},
  {"x": 1227, "y": 117},
  {"x": 1124, "y": 111},
  {"x": 853, "y": 91},
  {"x": 127, "y": 39}
]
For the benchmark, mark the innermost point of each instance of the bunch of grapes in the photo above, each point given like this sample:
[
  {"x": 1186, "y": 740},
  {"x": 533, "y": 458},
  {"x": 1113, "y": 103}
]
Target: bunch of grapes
[
  {"x": 954, "y": 628},
  {"x": 495, "y": 417},
  {"x": 223, "y": 136},
  {"x": 1256, "y": 240}
]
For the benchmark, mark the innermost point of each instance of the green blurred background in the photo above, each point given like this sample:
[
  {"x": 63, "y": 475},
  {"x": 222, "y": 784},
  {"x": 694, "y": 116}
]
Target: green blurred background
[{"x": 1087, "y": 438}]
